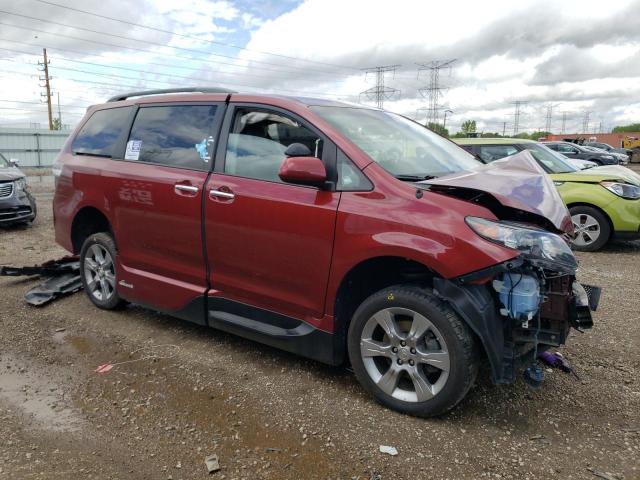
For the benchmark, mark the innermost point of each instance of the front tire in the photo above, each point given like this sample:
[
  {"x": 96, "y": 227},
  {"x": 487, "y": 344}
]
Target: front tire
[
  {"x": 98, "y": 271},
  {"x": 412, "y": 352},
  {"x": 592, "y": 228}
]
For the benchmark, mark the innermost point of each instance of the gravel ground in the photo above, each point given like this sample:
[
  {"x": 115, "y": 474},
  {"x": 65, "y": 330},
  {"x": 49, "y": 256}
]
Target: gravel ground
[{"x": 192, "y": 392}]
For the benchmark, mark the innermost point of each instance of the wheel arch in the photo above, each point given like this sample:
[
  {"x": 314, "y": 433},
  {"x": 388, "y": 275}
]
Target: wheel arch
[
  {"x": 87, "y": 221},
  {"x": 369, "y": 276}
]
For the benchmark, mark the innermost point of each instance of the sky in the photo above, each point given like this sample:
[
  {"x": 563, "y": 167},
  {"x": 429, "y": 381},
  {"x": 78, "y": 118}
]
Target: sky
[{"x": 573, "y": 58}]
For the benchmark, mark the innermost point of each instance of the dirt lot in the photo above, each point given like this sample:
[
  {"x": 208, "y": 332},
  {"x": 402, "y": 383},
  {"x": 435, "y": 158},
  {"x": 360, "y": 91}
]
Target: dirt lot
[{"x": 271, "y": 415}]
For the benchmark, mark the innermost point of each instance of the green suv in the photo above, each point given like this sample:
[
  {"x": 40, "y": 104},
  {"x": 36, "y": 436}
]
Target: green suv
[{"x": 604, "y": 201}]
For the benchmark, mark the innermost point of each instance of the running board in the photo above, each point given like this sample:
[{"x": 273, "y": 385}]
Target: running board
[{"x": 273, "y": 329}]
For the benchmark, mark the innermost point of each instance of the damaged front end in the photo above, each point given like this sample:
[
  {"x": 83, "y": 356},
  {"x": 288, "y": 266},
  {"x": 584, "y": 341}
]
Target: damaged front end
[{"x": 522, "y": 307}]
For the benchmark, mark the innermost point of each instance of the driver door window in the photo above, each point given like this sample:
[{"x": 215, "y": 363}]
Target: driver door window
[{"x": 258, "y": 140}]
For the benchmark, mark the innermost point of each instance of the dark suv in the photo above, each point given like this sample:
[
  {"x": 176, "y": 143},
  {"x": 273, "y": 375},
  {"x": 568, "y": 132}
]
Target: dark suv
[{"x": 339, "y": 232}]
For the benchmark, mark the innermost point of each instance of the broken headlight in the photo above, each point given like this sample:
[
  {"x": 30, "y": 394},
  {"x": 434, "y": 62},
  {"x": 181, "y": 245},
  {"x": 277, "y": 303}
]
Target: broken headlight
[{"x": 543, "y": 249}]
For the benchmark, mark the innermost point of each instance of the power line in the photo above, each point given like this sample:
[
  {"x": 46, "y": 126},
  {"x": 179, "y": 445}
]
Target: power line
[
  {"x": 432, "y": 91},
  {"x": 138, "y": 85},
  {"x": 38, "y": 103},
  {"x": 158, "y": 74},
  {"x": 379, "y": 93},
  {"x": 156, "y": 44},
  {"x": 213, "y": 42}
]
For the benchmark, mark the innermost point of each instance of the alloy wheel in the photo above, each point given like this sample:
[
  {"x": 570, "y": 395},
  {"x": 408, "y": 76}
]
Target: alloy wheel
[
  {"x": 99, "y": 271},
  {"x": 404, "y": 354},
  {"x": 587, "y": 229}
]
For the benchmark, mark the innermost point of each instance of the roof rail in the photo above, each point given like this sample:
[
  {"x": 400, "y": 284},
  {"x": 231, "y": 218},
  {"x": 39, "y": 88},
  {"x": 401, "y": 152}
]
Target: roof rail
[{"x": 161, "y": 91}]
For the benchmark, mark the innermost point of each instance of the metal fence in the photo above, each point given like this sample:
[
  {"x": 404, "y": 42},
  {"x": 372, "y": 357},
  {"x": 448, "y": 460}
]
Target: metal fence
[{"x": 32, "y": 147}]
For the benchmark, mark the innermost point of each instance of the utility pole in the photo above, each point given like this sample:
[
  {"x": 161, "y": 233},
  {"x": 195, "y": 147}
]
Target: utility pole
[
  {"x": 516, "y": 116},
  {"x": 47, "y": 85},
  {"x": 432, "y": 91},
  {"x": 380, "y": 92}
]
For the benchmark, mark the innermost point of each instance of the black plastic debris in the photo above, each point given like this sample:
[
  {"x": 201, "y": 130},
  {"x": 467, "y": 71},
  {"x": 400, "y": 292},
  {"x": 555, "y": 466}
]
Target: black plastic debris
[{"x": 60, "y": 278}]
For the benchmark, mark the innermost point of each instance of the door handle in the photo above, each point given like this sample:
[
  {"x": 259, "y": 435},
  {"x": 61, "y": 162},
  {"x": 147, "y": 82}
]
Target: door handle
[
  {"x": 186, "y": 188},
  {"x": 221, "y": 194}
]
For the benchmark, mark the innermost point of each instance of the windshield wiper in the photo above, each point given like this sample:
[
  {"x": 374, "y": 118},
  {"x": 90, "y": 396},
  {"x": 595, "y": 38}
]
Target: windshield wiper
[{"x": 414, "y": 178}]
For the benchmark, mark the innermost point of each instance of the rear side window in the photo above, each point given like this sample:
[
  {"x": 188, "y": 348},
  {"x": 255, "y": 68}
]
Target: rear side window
[
  {"x": 100, "y": 135},
  {"x": 177, "y": 136}
]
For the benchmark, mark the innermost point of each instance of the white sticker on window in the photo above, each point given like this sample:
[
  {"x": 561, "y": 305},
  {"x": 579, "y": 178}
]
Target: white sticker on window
[{"x": 133, "y": 150}]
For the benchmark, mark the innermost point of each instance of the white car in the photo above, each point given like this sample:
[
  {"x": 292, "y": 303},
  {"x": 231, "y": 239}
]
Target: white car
[{"x": 581, "y": 164}]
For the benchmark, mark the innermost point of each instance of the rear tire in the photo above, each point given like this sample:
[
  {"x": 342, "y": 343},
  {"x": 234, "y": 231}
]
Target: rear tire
[
  {"x": 592, "y": 228},
  {"x": 98, "y": 271},
  {"x": 412, "y": 352}
]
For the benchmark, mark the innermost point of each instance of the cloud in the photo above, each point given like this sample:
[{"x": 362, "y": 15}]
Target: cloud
[{"x": 573, "y": 53}]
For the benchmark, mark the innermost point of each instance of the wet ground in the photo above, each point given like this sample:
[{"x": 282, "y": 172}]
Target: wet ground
[{"x": 178, "y": 393}]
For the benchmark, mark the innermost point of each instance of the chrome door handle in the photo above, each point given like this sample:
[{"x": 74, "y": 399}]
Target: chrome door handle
[
  {"x": 186, "y": 188},
  {"x": 221, "y": 194}
]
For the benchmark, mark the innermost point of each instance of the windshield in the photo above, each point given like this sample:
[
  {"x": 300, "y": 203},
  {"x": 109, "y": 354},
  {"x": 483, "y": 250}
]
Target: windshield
[
  {"x": 552, "y": 161},
  {"x": 4, "y": 163},
  {"x": 402, "y": 147}
]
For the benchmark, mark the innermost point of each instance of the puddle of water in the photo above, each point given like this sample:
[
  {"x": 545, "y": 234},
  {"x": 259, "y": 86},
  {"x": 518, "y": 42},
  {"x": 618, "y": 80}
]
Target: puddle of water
[
  {"x": 37, "y": 395},
  {"x": 81, "y": 344}
]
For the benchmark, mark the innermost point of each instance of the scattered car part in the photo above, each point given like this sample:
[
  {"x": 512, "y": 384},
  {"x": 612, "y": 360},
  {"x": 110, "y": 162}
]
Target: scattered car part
[{"x": 61, "y": 278}]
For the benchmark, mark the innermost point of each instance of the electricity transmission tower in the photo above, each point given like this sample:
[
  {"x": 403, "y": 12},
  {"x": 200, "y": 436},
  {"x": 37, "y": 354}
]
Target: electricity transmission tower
[
  {"x": 516, "y": 116},
  {"x": 549, "y": 117},
  {"x": 433, "y": 90},
  {"x": 564, "y": 121},
  {"x": 585, "y": 122},
  {"x": 380, "y": 92},
  {"x": 47, "y": 86}
]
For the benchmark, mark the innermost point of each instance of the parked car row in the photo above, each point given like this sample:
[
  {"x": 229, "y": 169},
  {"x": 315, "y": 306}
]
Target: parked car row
[{"x": 575, "y": 151}]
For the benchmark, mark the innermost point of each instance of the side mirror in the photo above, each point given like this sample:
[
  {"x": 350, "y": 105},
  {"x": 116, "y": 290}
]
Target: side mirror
[
  {"x": 14, "y": 161},
  {"x": 297, "y": 150},
  {"x": 303, "y": 171}
]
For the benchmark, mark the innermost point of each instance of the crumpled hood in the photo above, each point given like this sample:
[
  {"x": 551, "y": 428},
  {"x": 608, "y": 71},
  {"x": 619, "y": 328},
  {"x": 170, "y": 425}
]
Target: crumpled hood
[
  {"x": 599, "y": 174},
  {"x": 517, "y": 182},
  {"x": 7, "y": 174}
]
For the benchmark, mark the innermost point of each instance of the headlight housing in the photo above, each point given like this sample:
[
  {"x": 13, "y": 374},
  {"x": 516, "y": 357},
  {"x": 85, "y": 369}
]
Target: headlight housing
[
  {"x": 543, "y": 249},
  {"x": 624, "y": 190},
  {"x": 20, "y": 184},
  {"x": 607, "y": 157}
]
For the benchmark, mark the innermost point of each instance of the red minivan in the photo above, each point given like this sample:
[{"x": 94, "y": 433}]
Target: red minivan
[{"x": 332, "y": 230}]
